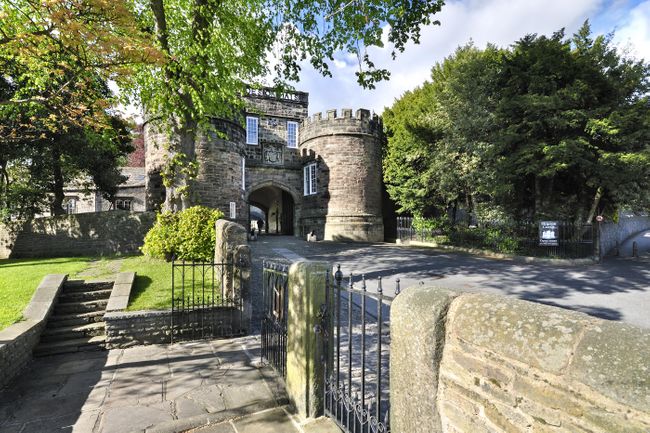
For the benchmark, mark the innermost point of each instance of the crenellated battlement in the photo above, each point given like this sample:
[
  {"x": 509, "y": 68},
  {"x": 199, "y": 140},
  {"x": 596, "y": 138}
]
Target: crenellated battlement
[
  {"x": 345, "y": 122},
  {"x": 346, "y": 113}
]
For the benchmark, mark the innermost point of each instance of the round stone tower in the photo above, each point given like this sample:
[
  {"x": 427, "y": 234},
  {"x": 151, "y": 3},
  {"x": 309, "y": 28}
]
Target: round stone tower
[
  {"x": 349, "y": 150},
  {"x": 220, "y": 180},
  {"x": 219, "y": 183},
  {"x": 155, "y": 141}
]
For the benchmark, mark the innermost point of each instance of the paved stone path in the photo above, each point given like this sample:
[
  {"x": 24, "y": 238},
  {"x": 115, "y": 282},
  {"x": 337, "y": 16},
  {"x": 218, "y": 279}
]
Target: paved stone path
[{"x": 159, "y": 388}]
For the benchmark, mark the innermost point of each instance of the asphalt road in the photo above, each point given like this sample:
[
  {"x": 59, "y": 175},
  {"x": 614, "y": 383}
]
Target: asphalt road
[{"x": 616, "y": 289}]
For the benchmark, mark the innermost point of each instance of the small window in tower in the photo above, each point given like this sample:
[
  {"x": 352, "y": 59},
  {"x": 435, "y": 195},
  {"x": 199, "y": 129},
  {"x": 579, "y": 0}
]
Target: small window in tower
[
  {"x": 292, "y": 134},
  {"x": 243, "y": 173},
  {"x": 309, "y": 173},
  {"x": 252, "y": 130}
]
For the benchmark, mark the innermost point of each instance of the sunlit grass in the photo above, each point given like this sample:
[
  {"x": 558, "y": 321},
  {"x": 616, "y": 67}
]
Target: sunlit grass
[{"x": 19, "y": 279}]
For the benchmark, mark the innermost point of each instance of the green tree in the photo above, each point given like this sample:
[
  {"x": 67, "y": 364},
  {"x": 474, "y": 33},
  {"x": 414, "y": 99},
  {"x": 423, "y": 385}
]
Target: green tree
[
  {"x": 438, "y": 135},
  {"x": 574, "y": 128},
  {"x": 552, "y": 127},
  {"x": 214, "y": 49}
]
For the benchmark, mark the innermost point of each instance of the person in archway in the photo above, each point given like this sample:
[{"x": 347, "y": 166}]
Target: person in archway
[{"x": 260, "y": 225}]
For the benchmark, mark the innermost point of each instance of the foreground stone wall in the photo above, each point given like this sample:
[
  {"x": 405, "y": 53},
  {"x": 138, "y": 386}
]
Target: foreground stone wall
[
  {"x": 482, "y": 363},
  {"x": 612, "y": 234},
  {"x": 19, "y": 340},
  {"x": 104, "y": 233}
]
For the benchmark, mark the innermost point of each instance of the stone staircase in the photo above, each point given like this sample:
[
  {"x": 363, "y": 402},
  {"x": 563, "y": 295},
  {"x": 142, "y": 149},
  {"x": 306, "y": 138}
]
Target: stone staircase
[{"x": 77, "y": 322}]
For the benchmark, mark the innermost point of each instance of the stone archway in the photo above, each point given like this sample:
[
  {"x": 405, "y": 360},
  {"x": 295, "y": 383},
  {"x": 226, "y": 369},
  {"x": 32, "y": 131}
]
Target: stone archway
[{"x": 280, "y": 205}]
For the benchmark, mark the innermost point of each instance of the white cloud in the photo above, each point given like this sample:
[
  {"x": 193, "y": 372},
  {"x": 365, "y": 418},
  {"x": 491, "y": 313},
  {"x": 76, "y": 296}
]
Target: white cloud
[
  {"x": 498, "y": 21},
  {"x": 634, "y": 31}
]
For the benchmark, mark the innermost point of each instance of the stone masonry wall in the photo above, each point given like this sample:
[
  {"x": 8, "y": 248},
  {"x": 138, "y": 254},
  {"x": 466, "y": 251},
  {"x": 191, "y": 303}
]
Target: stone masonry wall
[
  {"x": 219, "y": 180},
  {"x": 133, "y": 328},
  {"x": 612, "y": 234},
  {"x": 104, "y": 233},
  {"x": 484, "y": 363},
  {"x": 273, "y": 115},
  {"x": 18, "y": 340},
  {"x": 349, "y": 150}
]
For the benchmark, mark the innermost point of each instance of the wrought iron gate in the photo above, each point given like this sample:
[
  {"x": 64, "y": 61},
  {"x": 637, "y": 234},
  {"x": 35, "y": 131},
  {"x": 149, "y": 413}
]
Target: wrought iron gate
[
  {"x": 274, "y": 323},
  {"x": 356, "y": 340},
  {"x": 206, "y": 300}
]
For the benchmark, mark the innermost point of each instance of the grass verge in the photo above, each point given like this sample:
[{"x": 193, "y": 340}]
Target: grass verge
[{"x": 20, "y": 277}]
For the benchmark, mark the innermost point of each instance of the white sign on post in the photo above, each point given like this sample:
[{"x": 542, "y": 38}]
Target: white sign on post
[{"x": 549, "y": 233}]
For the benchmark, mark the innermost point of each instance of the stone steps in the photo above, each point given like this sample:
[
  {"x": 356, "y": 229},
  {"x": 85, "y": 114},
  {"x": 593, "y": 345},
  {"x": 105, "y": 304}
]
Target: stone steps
[
  {"x": 79, "y": 296},
  {"x": 73, "y": 332},
  {"x": 72, "y": 286},
  {"x": 70, "y": 346},
  {"x": 80, "y": 307},
  {"x": 77, "y": 321}
]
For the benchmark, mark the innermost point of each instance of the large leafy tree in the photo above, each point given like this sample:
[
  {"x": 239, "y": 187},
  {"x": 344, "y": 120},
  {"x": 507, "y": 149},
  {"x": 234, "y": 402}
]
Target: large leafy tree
[
  {"x": 552, "y": 127},
  {"x": 574, "y": 127},
  {"x": 214, "y": 49},
  {"x": 439, "y": 135},
  {"x": 56, "y": 121}
]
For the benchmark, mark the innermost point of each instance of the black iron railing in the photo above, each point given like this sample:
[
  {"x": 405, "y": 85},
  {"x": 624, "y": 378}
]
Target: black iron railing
[
  {"x": 206, "y": 300},
  {"x": 357, "y": 340},
  {"x": 274, "y": 323},
  {"x": 520, "y": 238}
]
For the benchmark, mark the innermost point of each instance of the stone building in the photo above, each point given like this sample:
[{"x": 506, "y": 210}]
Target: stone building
[
  {"x": 80, "y": 198},
  {"x": 320, "y": 174}
]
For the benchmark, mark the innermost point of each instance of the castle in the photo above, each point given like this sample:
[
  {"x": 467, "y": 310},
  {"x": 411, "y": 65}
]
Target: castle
[{"x": 300, "y": 175}]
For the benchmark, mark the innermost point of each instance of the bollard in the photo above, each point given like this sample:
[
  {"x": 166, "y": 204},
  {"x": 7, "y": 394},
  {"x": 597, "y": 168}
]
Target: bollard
[
  {"x": 617, "y": 251},
  {"x": 635, "y": 250}
]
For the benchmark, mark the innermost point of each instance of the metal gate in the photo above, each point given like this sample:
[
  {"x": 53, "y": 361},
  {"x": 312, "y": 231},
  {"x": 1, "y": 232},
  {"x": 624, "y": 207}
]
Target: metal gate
[
  {"x": 206, "y": 300},
  {"x": 274, "y": 323},
  {"x": 356, "y": 341}
]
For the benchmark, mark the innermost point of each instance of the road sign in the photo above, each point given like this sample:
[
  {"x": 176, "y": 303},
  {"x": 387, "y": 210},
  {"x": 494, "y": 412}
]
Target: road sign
[{"x": 549, "y": 233}]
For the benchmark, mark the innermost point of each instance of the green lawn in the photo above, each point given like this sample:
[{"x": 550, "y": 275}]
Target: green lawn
[
  {"x": 152, "y": 289},
  {"x": 20, "y": 277}
]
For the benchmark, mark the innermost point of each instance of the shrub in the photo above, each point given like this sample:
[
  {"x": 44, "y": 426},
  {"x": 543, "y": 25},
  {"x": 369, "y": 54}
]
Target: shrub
[{"x": 188, "y": 234}]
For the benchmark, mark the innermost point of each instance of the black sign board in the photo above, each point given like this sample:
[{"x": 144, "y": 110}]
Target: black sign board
[{"x": 549, "y": 233}]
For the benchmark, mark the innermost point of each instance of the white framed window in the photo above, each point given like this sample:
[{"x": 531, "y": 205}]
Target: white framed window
[
  {"x": 243, "y": 173},
  {"x": 252, "y": 136},
  {"x": 309, "y": 177},
  {"x": 292, "y": 134},
  {"x": 70, "y": 205},
  {"x": 233, "y": 210},
  {"x": 123, "y": 203}
]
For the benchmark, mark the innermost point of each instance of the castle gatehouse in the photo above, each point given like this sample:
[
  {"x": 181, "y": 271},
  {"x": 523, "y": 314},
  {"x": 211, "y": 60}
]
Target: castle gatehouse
[{"x": 297, "y": 174}]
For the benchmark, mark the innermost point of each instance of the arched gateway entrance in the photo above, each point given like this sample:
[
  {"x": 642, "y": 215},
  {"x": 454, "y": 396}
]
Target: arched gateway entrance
[{"x": 278, "y": 207}]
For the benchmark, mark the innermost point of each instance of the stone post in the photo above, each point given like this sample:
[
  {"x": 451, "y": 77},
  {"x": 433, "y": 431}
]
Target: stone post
[
  {"x": 417, "y": 334},
  {"x": 305, "y": 379},
  {"x": 229, "y": 236}
]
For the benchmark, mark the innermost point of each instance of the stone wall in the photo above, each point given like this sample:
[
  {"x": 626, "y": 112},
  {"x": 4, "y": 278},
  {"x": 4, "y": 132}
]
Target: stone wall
[
  {"x": 613, "y": 234},
  {"x": 134, "y": 328},
  {"x": 18, "y": 340},
  {"x": 348, "y": 151},
  {"x": 104, "y": 233},
  {"x": 483, "y": 363}
]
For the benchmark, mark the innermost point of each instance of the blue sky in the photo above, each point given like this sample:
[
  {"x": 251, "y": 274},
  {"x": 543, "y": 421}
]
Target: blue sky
[{"x": 497, "y": 21}]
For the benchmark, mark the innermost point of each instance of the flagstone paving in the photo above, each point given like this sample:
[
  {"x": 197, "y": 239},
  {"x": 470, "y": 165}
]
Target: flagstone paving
[{"x": 159, "y": 388}]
